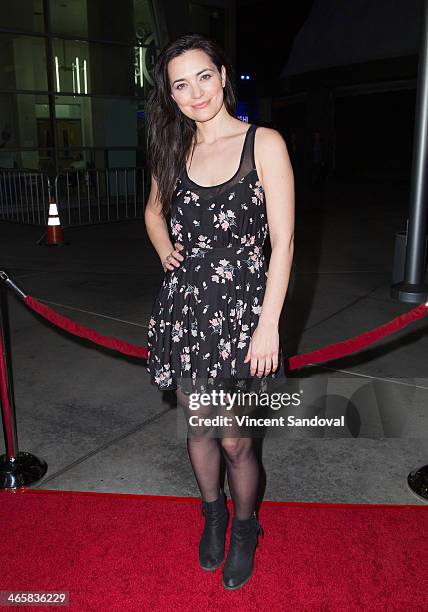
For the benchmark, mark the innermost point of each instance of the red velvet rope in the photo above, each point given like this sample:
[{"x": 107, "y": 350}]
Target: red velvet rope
[
  {"x": 346, "y": 347},
  {"x": 326, "y": 353},
  {"x": 85, "y": 332}
]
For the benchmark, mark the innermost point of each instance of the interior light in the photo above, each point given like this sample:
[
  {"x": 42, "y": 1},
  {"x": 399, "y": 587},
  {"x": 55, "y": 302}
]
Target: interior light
[
  {"x": 85, "y": 77},
  {"x": 78, "y": 75},
  {"x": 57, "y": 73}
]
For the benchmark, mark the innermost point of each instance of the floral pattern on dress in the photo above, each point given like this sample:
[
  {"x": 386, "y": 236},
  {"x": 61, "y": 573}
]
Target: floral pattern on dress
[{"x": 207, "y": 309}]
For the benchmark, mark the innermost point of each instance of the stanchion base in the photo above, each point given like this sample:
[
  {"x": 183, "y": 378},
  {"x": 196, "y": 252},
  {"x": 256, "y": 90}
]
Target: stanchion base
[
  {"x": 410, "y": 293},
  {"x": 418, "y": 482},
  {"x": 23, "y": 470}
]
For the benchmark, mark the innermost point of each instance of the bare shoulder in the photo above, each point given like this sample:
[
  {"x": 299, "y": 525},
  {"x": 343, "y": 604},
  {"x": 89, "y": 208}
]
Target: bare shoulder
[
  {"x": 269, "y": 142},
  {"x": 270, "y": 150},
  {"x": 266, "y": 135}
]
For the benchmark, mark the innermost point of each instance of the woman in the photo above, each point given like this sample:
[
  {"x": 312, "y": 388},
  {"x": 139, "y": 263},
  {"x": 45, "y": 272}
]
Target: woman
[{"x": 214, "y": 323}]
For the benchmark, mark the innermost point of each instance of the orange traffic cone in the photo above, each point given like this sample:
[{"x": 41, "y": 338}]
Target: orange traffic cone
[{"x": 54, "y": 232}]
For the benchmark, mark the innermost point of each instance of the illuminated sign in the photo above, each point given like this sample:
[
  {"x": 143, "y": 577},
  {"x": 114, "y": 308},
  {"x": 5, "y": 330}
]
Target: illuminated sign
[{"x": 143, "y": 59}]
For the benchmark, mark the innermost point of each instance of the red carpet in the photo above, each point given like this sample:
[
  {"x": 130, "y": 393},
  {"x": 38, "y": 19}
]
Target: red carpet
[{"x": 129, "y": 553}]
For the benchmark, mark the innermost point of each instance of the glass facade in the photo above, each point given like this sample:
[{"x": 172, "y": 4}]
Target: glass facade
[{"x": 74, "y": 75}]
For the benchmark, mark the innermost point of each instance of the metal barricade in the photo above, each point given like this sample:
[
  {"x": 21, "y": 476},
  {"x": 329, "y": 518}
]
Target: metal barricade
[
  {"x": 84, "y": 197},
  {"x": 24, "y": 196}
]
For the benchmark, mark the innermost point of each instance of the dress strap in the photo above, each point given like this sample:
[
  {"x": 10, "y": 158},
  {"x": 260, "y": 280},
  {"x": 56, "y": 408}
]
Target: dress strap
[{"x": 249, "y": 158}]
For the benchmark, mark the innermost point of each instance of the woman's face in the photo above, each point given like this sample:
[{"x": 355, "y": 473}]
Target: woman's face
[{"x": 194, "y": 80}]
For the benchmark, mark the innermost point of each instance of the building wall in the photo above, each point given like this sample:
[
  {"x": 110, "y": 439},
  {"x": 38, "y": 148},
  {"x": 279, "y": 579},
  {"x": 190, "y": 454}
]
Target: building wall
[
  {"x": 102, "y": 53},
  {"x": 86, "y": 100},
  {"x": 358, "y": 109}
]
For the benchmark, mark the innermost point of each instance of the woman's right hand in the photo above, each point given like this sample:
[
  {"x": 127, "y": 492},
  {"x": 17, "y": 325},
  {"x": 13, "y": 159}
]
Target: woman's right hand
[{"x": 174, "y": 259}]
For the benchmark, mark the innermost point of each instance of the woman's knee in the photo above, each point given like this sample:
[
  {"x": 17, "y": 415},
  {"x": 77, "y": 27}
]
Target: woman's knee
[{"x": 236, "y": 448}]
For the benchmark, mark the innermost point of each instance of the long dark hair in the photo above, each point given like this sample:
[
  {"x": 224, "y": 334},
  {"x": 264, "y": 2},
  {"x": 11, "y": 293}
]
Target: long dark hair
[{"x": 170, "y": 133}]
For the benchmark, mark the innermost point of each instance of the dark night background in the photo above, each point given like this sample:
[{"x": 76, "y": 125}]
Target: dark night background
[
  {"x": 372, "y": 136},
  {"x": 259, "y": 26}
]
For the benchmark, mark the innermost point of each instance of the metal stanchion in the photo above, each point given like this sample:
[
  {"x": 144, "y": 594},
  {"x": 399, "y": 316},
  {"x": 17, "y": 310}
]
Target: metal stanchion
[
  {"x": 418, "y": 482},
  {"x": 412, "y": 287},
  {"x": 17, "y": 469}
]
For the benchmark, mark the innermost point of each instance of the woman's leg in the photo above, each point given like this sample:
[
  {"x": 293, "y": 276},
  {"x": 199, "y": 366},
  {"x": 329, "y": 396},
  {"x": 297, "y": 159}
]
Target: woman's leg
[
  {"x": 204, "y": 453},
  {"x": 243, "y": 477},
  {"x": 243, "y": 469},
  {"x": 243, "y": 474}
]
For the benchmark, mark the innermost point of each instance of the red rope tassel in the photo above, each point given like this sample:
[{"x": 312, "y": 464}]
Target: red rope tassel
[
  {"x": 85, "y": 332},
  {"x": 346, "y": 347}
]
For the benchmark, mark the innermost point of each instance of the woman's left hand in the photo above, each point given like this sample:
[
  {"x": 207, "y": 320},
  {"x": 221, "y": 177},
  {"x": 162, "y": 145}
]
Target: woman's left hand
[{"x": 263, "y": 350}]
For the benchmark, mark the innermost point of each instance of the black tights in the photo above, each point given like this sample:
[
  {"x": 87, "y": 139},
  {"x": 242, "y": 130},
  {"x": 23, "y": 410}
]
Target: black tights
[{"x": 205, "y": 453}]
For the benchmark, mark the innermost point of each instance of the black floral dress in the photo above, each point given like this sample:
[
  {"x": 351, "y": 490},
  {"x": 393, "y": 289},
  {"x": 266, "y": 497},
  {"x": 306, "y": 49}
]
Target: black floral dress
[{"x": 206, "y": 310}]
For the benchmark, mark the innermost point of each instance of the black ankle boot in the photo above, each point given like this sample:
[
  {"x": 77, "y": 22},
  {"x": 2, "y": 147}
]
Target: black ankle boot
[
  {"x": 238, "y": 567},
  {"x": 211, "y": 546}
]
